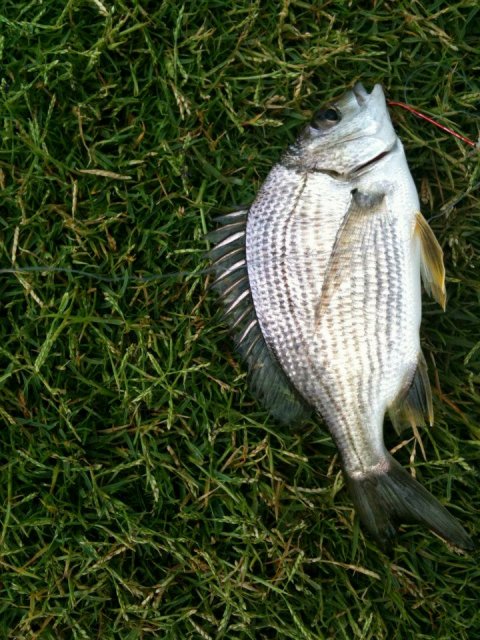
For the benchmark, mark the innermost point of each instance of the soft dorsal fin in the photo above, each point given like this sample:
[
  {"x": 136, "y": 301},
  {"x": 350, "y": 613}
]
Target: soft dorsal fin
[
  {"x": 414, "y": 403},
  {"x": 268, "y": 381},
  {"x": 432, "y": 267}
]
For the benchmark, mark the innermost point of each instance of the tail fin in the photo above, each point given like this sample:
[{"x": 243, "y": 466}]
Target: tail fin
[{"x": 385, "y": 499}]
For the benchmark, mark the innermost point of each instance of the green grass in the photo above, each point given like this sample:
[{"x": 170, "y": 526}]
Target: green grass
[{"x": 143, "y": 491}]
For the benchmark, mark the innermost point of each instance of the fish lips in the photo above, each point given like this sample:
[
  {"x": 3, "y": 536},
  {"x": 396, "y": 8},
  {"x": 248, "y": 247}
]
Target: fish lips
[{"x": 362, "y": 95}]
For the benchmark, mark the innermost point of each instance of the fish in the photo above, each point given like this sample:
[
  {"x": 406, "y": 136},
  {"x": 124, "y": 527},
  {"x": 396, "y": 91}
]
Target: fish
[{"x": 320, "y": 282}]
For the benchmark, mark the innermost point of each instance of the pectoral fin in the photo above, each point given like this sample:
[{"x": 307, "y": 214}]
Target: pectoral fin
[
  {"x": 432, "y": 267},
  {"x": 353, "y": 241}
]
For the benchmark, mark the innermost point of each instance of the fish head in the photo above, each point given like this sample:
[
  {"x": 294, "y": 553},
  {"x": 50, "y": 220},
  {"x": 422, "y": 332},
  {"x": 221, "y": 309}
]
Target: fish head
[{"x": 348, "y": 135}]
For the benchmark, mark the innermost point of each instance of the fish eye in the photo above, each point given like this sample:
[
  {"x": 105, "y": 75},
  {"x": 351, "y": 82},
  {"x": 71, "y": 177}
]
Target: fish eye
[{"x": 326, "y": 118}]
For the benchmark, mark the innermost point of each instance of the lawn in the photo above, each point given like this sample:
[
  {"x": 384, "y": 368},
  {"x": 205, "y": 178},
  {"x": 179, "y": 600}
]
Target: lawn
[{"x": 144, "y": 493}]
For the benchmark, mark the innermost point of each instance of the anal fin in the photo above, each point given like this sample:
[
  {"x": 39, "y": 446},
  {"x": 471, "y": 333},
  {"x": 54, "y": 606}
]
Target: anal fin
[{"x": 414, "y": 403}]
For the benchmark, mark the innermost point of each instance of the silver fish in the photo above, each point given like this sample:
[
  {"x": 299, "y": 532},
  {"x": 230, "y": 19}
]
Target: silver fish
[{"x": 320, "y": 278}]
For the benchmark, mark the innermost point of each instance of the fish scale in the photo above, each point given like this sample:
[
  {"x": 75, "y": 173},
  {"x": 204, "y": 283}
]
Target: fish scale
[{"x": 320, "y": 279}]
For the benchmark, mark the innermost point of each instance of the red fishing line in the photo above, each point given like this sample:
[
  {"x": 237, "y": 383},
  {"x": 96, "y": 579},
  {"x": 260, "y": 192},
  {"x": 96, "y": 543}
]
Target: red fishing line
[{"x": 432, "y": 121}]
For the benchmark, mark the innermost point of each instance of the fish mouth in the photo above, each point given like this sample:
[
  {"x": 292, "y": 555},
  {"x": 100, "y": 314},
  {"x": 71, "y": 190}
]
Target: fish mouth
[{"x": 360, "y": 93}]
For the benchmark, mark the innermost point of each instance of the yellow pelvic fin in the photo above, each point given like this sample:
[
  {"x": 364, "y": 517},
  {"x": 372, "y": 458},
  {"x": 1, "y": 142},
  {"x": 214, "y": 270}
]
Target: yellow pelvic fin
[{"x": 432, "y": 267}]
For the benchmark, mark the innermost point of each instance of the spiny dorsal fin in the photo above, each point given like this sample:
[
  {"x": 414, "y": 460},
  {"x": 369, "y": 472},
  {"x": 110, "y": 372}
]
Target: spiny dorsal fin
[
  {"x": 432, "y": 267},
  {"x": 267, "y": 379},
  {"x": 414, "y": 403}
]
